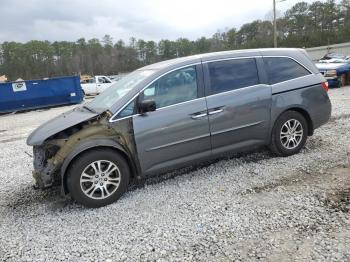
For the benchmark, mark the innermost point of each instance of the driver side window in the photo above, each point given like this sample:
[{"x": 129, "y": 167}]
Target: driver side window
[{"x": 173, "y": 88}]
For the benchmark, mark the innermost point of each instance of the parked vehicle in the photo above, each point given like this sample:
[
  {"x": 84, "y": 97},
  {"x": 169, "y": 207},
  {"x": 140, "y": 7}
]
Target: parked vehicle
[
  {"x": 177, "y": 113},
  {"x": 96, "y": 85},
  {"x": 116, "y": 78},
  {"x": 336, "y": 69}
]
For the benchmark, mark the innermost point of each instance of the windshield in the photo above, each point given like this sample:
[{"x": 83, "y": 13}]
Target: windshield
[{"x": 116, "y": 91}]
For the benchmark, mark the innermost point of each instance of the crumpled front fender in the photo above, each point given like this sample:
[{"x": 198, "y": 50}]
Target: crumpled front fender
[{"x": 86, "y": 145}]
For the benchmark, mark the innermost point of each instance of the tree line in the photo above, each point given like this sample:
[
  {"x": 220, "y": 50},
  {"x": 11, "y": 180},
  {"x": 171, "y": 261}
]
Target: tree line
[{"x": 303, "y": 25}]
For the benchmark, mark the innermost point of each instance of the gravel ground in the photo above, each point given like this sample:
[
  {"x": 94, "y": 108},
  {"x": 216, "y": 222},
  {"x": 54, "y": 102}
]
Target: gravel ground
[{"x": 245, "y": 207}]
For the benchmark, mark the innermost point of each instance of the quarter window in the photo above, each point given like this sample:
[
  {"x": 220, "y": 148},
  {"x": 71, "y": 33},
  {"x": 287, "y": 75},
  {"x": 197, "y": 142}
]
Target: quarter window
[
  {"x": 232, "y": 74},
  {"x": 173, "y": 88},
  {"x": 281, "y": 69},
  {"x": 128, "y": 110}
]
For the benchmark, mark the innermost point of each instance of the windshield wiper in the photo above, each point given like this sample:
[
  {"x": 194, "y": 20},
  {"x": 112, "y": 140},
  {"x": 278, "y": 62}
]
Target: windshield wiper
[{"x": 89, "y": 109}]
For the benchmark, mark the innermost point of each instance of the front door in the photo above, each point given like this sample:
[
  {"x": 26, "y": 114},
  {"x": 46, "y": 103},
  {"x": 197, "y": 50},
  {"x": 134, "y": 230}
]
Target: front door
[
  {"x": 238, "y": 105},
  {"x": 176, "y": 133}
]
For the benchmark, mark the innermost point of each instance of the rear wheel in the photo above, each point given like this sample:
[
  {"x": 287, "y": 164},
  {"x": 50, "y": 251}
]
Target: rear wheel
[
  {"x": 98, "y": 178},
  {"x": 289, "y": 134}
]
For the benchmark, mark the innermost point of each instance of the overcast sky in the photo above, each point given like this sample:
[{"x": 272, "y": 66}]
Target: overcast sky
[{"x": 23, "y": 20}]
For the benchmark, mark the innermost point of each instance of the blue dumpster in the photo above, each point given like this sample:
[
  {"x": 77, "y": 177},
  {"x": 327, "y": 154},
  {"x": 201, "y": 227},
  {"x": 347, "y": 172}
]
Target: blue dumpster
[{"x": 33, "y": 94}]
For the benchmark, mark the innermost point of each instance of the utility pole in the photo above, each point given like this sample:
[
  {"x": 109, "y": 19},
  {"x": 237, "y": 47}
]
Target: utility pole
[
  {"x": 274, "y": 25},
  {"x": 275, "y": 22}
]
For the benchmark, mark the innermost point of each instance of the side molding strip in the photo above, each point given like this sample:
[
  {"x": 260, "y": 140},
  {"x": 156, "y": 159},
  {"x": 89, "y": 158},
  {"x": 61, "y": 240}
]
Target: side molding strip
[
  {"x": 236, "y": 128},
  {"x": 177, "y": 142},
  {"x": 289, "y": 90}
]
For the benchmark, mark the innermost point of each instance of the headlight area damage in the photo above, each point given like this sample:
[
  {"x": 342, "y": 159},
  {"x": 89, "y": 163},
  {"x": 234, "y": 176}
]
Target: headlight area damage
[{"x": 54, "y": 155}]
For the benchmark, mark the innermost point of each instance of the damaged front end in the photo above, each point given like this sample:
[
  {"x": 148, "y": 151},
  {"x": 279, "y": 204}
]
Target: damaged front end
[
  {"x": 46, "y": 172},
  {"x": 51, "y": 154},
  {"x": 54, "y": 154}
]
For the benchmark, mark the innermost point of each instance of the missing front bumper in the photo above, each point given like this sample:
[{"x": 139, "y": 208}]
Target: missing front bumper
[{"x": 45, "y": 172}]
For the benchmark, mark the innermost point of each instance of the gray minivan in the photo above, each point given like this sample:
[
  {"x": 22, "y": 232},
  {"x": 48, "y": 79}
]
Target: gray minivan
[{"x": 179, "y": 112}]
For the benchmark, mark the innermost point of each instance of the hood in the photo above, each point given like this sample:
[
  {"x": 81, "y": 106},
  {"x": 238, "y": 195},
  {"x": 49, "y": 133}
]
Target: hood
[
  {"x": 329, "y": 66},
  {"x": 59, "y": 123}
]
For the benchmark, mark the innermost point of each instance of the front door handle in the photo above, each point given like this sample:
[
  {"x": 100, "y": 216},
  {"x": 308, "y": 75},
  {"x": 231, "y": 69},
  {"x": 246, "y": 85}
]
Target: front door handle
[
  {"x": 217, "y": 111},
  {"x": 198, "y": 116}
]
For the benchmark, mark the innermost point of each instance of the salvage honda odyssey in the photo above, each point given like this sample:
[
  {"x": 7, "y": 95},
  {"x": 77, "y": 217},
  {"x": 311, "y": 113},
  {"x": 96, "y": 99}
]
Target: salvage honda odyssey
[{"x": 177, "y": 113}]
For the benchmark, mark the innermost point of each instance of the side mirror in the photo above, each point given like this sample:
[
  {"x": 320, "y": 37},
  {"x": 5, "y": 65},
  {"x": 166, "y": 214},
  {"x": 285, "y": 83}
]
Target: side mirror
[{"x": 147, "y": 106}]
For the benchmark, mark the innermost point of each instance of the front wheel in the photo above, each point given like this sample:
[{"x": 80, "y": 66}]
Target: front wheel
[
  {"x": 98, "y": 177},
  {"x": 289, "y": 134}
]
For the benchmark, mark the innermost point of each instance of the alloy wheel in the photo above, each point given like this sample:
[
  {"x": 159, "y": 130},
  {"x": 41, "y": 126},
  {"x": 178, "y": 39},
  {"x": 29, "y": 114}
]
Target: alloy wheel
[
  {"x": 291, "y": 134},
  {"x": 100, "y": 179}
]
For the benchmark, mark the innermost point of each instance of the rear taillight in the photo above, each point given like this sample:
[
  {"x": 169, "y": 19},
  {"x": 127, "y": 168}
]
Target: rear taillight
[{"x": 325, "y": 86}]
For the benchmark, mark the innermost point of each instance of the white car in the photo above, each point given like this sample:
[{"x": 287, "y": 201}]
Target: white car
[{"x": 96, "y": 85}]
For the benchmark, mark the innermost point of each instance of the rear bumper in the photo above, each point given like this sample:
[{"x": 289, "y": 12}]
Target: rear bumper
[{"x": 332, "y": 82}]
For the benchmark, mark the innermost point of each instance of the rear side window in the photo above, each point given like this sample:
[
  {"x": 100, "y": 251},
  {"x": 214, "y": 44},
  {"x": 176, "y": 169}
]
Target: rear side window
[
  {"x": 281, "y": 69},
  {"x": 232, "y": 74}
]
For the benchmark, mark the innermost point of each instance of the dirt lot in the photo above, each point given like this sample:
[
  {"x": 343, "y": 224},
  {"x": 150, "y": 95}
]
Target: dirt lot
[{"x": 248, "y": 206}]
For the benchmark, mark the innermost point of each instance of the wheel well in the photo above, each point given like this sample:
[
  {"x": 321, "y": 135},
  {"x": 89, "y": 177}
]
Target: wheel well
[
  {"x": 307, "y": 117},
  {"x": 123, "y": 154}
]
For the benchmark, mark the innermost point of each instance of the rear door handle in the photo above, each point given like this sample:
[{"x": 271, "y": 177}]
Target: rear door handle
[
  {"x": 217, "y": 111},
  {"x": 198, "y": 116}
]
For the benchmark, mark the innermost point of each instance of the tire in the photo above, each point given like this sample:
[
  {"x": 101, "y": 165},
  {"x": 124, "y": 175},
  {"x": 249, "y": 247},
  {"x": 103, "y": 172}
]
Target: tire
[
  {"x": 102, "y": 173},
  {"x": 343, "y": 80},
  {"x": 281, "y": 145}
]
